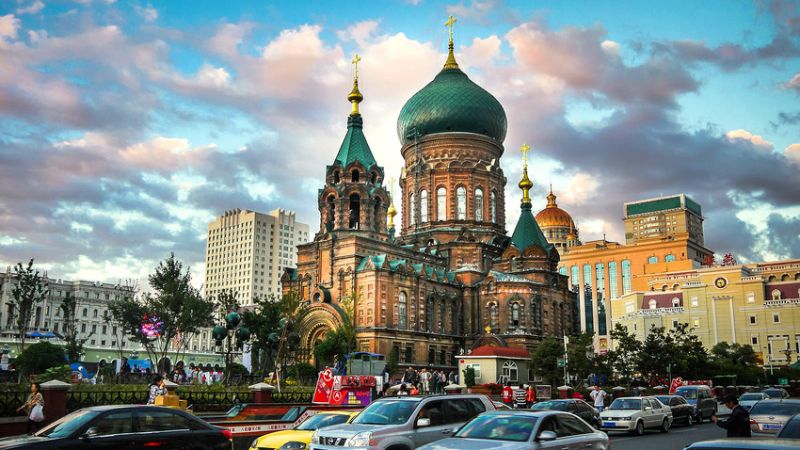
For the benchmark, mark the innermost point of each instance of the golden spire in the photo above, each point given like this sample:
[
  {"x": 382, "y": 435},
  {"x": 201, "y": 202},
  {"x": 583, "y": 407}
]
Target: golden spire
[
  {"x": 551, "y": 198},
  {"x": 355, "y": 96},
  {"x": 525, "y": 184},
  {"x": 392, "y": 211},
  {"x": 451, "y": 58}
]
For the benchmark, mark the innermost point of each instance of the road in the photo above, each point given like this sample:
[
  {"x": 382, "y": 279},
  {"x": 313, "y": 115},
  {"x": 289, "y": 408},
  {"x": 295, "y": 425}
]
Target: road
[{"x": 677, "y": 438}]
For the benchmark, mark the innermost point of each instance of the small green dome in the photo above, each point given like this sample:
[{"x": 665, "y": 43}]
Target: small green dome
[{"x": 451, "y": 103}]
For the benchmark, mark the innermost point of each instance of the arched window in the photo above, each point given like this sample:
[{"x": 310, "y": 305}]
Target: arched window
[
  {"x": 510, "y": 371},
  {"x": 336, "y": 177},
  {"x": 442, "y": 317},
  {"x": 515, "y": 314},
  {"x": 423, "y": 206},
  {"x": 401, "y": 311},
  {"x": 669, "y": 258},
  {"x": 653, "y": 303},
  {"x": 676, "y": 302},
  {"x": 376, "y": 214},
  {"x": 355, "y": 211},
  {"x": 374, "y": 178},
  {"x": 354, "y": 176},
  {"x": 85, "y": 312},
  {"x": 441, "y": 204},
  {"x": 461, "y": 203},
  {"x": 411, "y": 209},
  {"x": 430, "y": 314},
  {"x": 776, "y": 294},
  {"x": 785, "y": 277},
  {"x": 493, "y": 207},
  {"x": 479, "y": 204},
  {"x": 331, "y": 212},
  {"x": 652, "y": 260},
  {"x": 493, "y": 315}
]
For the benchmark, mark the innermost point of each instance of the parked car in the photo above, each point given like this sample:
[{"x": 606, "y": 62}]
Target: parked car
[
  {"x": 501, "y": 405},
  {"x": 125, "y": 426},
  {"x": 751, "y": 398},
  {"x": 746, "y": 444},
  {"x": 682, "y": 411},
  {"x": 768, "y": 417},
  {"x": 792, "y": 428},
  {"x": 578, "y": 407},
  {"x": 701, "y": 398},
  {"x": 403, "y": 423},
  {"x": 300, "y": 437},
  {"x": 524, "y": 430},
  {"x": 776, "y": 392},
  {"x": 635, "y": 414}
]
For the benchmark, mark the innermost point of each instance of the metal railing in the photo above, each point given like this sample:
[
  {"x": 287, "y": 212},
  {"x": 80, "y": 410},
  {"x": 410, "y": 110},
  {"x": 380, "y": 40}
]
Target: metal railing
[{"x": 10, "y": 400}]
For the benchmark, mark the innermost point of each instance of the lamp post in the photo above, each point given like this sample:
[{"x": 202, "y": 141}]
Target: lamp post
[{"x": 233, "y": 335}]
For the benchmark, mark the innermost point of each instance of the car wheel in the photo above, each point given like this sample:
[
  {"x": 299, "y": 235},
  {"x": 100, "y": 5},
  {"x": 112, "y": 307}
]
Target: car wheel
[
  {"x": 639, "y": 428},
  {"x": 665, "y": 426},
  {"x": 689, "y": 420}
]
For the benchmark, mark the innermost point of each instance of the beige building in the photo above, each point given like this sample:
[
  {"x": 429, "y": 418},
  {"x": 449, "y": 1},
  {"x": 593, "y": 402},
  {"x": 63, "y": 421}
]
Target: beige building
[
  {"x": 246, "y": 252},
  {"x": 663, "y": 216},
  {"x": 756, "y": 304}
]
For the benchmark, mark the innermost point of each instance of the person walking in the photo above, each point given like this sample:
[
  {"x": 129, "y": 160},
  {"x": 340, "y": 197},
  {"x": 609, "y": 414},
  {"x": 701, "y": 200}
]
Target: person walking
[
  {"x": 34, "y": 409},
  {"x": 508, "y": 394},
  {"x": 738, "y": 424},
  {"x": 530, "y": 396},
  {"x": 157, "y": 387},
  {"x": 599, "y": 397}
]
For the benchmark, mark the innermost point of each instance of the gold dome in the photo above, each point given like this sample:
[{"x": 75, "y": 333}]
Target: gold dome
[{"x": 553, "y": 216}]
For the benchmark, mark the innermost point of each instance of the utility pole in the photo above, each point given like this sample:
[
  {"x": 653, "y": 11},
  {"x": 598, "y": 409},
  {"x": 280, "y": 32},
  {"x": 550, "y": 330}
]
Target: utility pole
[{"x": 566, "y": 373}]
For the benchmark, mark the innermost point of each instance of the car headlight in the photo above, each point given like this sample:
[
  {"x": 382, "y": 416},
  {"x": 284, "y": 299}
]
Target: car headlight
[
  {"x": 293, "y": 445},
  {"x": 625, "y": 418},
  {"x": 315, "y": 437},
  {"x": 360, "y": 440}
]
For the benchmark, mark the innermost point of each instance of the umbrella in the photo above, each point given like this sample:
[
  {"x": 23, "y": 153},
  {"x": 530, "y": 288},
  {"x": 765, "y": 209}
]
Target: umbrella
[
  {"x": 35, "y": 334},
  {"x": 48, "y": 335}
]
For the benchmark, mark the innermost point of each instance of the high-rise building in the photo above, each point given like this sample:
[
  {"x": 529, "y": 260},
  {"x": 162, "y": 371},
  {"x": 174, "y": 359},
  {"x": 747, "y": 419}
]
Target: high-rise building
[
  {"x": 246, "y": 252},
  {"x": 663, "y": 217}
]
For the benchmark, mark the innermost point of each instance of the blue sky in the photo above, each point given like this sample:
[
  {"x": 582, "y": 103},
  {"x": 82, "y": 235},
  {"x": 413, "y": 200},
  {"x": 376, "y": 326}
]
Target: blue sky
[{"x": 127, "y": 126}]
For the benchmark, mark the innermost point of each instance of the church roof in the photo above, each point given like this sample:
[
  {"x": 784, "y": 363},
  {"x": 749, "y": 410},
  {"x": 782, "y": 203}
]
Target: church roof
[
  {"x": 527, "y": 232},
  {"x": 354, "y": 147}
]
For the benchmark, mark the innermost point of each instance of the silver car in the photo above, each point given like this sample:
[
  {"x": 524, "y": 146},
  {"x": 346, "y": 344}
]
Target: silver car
[
  {"x": 635, "y": 414},
  {"x": 524, "y": 430},
  {"x": 402, "y": 423},
  {"x": 768, "y": 417},
  {"x": 751, "y": 398}
]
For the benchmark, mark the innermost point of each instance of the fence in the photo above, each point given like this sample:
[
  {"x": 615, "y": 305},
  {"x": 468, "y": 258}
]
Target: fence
[
  {"x": 293, "y": 397},
  {"x": 10, "y": 400}
]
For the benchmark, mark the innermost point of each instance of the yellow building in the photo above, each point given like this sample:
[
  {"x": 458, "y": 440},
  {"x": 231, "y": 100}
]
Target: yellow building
[{"x": 756, "y": 304}]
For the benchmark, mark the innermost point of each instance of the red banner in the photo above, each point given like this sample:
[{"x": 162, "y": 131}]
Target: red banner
[
  {"x": 676, "y": 383},
  {"x": 322, "y": 394}
]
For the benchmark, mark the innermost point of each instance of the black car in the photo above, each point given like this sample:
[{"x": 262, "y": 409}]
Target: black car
[
  {"x": 575, "y": 406},
  {"x": 125, "y": 427},
  {"x": 701, "y": 398},
  {"x": 682, "y": 411}
]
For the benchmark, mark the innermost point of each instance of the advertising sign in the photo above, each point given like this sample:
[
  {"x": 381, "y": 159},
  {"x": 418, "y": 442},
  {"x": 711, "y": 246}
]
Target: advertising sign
[{"x": 322, "y": 393}]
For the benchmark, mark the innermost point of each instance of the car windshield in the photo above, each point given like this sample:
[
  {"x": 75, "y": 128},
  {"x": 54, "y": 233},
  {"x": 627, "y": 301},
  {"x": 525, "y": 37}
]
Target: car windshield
[
  {"x": 751, "y": 397},
  {"x": 387, "y": 412},
  {"x": 775, "y": 409},
  {"x": 550, "y": 405},
  {"x": 322, "y": 421},
  {"x": 774, "y": 392},
  {"x": 663, "y": 399},
  {"x": 67, "y": 425},
  {"x": 499, "y": 427},
  {"x": 687, "y": 393},
  {"x": 626, "y": 403}
]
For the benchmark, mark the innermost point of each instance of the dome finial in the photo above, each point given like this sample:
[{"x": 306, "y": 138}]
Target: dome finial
[
  {"x": 451, "y": 58},
  {"x": 355, "y": 96},
  {"x": 392, "y": 211},
  {"x": 551, "y": 198},
  {"x": 525, "y": 184}
]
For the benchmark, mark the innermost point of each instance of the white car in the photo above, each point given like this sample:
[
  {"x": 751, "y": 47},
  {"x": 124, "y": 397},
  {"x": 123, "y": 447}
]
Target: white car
[
  {"x": 635, "y": 414},
  {"x": 751, "y": 398}
]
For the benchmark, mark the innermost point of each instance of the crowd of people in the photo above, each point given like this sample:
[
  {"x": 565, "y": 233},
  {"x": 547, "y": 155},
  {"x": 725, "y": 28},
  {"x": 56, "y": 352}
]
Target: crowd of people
[{"x": 427, "y": 381}]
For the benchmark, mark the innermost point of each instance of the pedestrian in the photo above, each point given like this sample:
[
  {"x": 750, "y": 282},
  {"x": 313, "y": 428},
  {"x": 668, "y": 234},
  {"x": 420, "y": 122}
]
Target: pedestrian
[
  {"x": 425, "y": 379},
  {"x": 34, "y": 408},
  {"x": 157, "y": 387},
  {"x": 507, "y": 394},
  {"x": 403, "y": 390},
  {"x": 738, "y": 424},
  {"x": 530, "y": 396},
  {"x": 599, "y": 397}
]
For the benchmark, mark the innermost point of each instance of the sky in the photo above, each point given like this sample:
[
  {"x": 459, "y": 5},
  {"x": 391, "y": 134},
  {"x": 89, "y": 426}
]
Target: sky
[{"x": 125, "y": 127}]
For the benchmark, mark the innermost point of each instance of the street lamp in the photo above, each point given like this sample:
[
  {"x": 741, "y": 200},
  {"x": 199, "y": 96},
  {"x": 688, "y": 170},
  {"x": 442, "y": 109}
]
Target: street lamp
[{"x": 233, "y": 335}]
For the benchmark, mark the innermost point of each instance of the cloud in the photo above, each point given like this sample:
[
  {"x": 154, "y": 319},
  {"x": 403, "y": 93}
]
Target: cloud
[
  {"x": 794, "y": 83},
  {"x": 743, "y": 135},
  {"x": 33, "y": 8},
  {"x": 360, "y": 32},
  {"x": 476, "y": 10},
  {"x": 148, "y": 13},
  {"x": 792, "y": 153},
  {"x": 9, "y": 26}
]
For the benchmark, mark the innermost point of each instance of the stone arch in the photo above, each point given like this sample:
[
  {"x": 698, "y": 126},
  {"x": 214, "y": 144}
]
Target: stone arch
[{"x": 319, "y": 319}]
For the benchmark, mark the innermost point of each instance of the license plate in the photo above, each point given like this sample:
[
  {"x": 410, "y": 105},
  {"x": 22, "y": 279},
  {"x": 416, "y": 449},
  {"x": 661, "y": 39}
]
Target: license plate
[
  {"x": 609, "y": 424},
  {"x": 768, "y": 426}
]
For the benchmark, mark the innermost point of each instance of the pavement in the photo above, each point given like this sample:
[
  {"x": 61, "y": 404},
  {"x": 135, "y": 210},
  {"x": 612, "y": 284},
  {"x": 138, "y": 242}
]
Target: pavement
[{"x": 678, "y": 438}]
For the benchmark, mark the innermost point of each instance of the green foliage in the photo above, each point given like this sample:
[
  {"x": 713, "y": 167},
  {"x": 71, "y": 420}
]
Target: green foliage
[
  {"x": 74, "y": 343},
  {"x": 227, "y": 300},
  {"x": 303, "y": 371},
  {"x": 30, "y": 289},
  {"x": 61, "y": 373},
  {"x": 580, "y": 355},
  {"x": 736, "y": 361},
  {"x": 235, "y": 368},
  {"x": 469, "y": 376},
  {"x": 625, "y": 355},
  {"x": 678, "y": 351},
  {"x": 394, "y": 359},
  {"x": 267, "y": 333},
  {"x": 39, "y": 357},
  {"x": 545, "y": 357},
  {"x": 335, "y": 343}
]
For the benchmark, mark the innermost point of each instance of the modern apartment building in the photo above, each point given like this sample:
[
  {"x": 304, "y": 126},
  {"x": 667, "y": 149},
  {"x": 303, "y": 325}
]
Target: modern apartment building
[
  {"x": 246, "y": 252},
  {"x": 663, "y": 216}
]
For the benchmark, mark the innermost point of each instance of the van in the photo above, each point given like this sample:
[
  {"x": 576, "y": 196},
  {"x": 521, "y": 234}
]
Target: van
[{"x": 701, "y": 398}]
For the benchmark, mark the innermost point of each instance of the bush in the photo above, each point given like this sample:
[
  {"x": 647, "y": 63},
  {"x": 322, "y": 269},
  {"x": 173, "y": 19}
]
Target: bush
[
  {"x": 61, "y": 373},
  {"x": 39, "y": 357},
  {"x": 236, "y": 369},
  {"x": 469, "y": 377}
]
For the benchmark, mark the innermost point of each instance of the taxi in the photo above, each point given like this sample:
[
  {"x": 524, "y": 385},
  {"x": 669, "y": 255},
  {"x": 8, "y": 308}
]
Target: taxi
[{"x": 300, "y": 437}]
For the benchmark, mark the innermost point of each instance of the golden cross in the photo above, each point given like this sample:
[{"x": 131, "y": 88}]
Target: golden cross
[
  {"x": 391, "y": 186},
  {"x": 450, "y": 21},
  {"x": 356, "y": 60},
  {"x": 488, "y": 329},
  {"x": 525, "y": 149}
]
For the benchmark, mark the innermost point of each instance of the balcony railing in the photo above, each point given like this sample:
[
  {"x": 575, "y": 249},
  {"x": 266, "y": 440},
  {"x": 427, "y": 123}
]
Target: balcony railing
[{"x": 782, "y": 302}]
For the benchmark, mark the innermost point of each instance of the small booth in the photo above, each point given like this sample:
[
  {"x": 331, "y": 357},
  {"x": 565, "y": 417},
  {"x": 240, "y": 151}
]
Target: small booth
[{"x": 496, "y": 365}]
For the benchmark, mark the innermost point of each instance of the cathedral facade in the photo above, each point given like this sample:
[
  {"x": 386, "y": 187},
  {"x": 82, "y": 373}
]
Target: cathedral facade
[{"x": 449, "y": 277}]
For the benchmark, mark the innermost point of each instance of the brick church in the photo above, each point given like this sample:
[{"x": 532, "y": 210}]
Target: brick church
[{"x": 448, "y": 278}]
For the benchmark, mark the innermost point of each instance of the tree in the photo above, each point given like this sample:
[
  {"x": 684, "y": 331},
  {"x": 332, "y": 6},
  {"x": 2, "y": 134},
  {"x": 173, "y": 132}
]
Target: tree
[
  {"x": 735, "y": 361},
  {"x": 690, "y": 357},
  {"x": 580, "y": 355},
  {"x": 30, "y": 290},
  {"x": 264, "y": 323},
  {"x": 544, "y": 359},
  {"x": 74, "y": 343},
  {"x": 39, "y": 357},
  {"x": 626, "y": 351},
  {"x": 656, "y": 353},
  {"x": 728, "y": 259}
]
